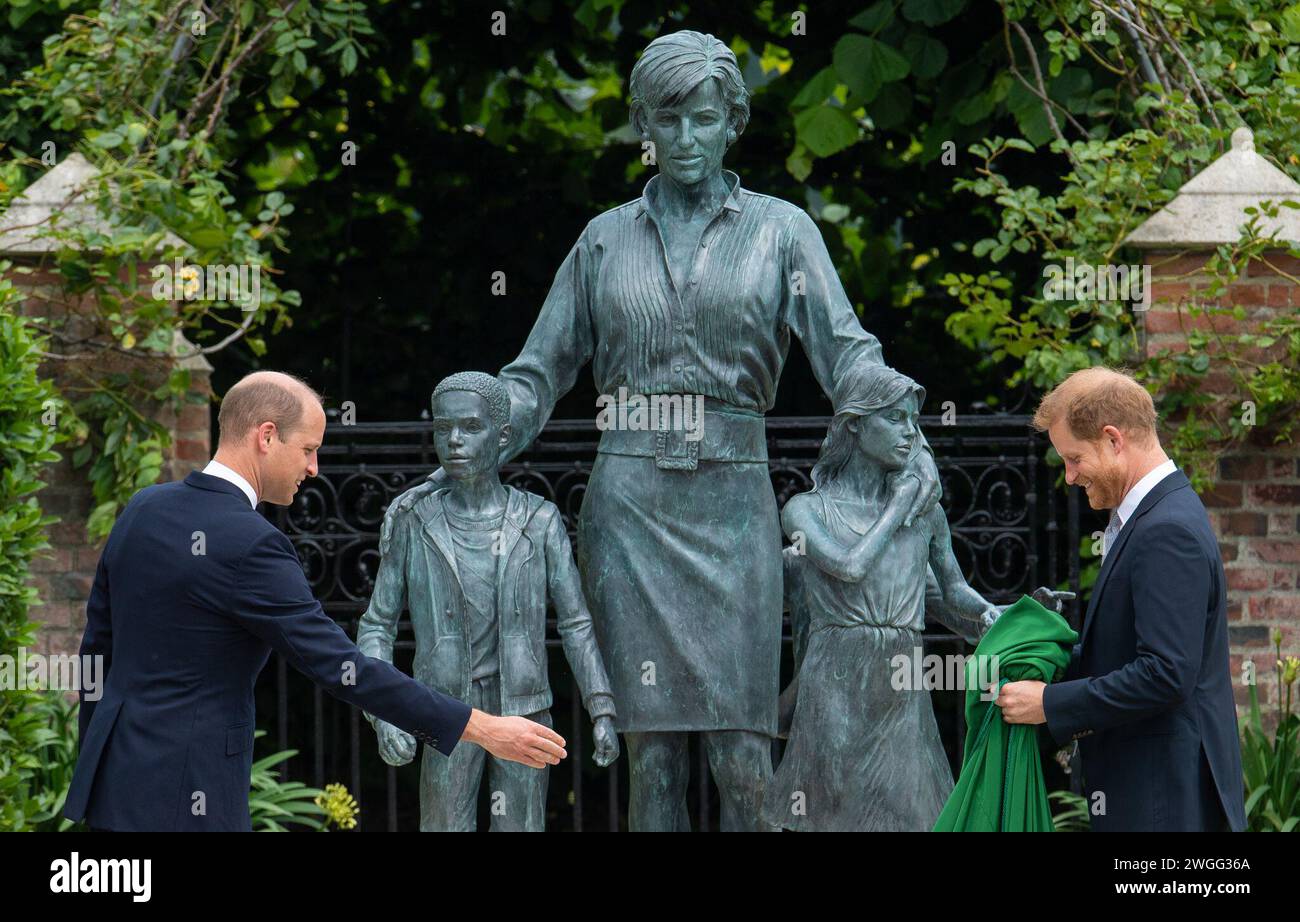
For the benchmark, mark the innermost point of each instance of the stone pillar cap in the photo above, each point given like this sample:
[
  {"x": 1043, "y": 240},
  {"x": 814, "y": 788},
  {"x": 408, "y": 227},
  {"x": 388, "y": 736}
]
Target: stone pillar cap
[
  {"x": 58, "y": 196},
  {"x": 1210, "y": 208}
]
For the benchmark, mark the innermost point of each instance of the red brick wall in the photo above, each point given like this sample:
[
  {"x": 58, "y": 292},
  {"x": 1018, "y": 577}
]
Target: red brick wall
[
  {"x": 63, "y": 575},
  {"x": 1255, "y": 505}
]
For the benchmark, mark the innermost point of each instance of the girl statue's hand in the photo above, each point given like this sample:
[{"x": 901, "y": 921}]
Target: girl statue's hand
[{"x": 904, "y": 486}]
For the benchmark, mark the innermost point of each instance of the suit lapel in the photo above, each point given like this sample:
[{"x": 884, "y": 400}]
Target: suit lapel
[{"x": 1174, "y": 481}]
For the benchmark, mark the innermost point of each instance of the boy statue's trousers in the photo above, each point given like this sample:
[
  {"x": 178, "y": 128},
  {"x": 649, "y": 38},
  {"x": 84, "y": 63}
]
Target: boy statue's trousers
[{"x": 449, "y": 785}]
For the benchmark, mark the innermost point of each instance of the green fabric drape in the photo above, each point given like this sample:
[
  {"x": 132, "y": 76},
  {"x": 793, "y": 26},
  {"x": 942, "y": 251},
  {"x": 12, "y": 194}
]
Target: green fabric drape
[{"x": 1001, "y": 787}]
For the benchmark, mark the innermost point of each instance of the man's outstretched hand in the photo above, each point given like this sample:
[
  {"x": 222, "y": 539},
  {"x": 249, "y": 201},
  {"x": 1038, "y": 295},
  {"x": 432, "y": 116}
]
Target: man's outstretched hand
[{"x": 516, "y": 739}]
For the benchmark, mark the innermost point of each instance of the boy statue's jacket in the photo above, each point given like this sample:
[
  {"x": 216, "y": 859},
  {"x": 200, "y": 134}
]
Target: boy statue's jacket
[{"x": 418, "y": 571}]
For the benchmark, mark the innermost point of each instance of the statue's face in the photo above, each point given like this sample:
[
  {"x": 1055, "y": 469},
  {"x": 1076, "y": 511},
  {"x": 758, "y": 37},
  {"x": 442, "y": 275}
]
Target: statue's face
[
  {"x": 464, "y": 436},
  {"x": 889, "y": 435},
  {"x": 691, "y": 136}
]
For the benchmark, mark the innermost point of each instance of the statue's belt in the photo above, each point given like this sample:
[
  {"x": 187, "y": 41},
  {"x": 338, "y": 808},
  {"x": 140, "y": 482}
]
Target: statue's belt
[{"x": 719, "y": 435}]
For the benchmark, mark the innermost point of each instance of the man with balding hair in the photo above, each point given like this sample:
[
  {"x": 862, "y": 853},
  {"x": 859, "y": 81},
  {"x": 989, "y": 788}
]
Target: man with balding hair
[
  {"x": 193, "y": 591},
  {"x": 1147, "y": 695}
]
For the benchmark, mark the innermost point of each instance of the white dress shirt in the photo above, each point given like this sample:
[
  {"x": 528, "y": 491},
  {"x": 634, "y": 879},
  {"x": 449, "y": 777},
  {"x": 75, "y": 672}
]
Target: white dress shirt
[
  {"x": 216, "y": 469},
  {"x": 1128, "y": 505}
]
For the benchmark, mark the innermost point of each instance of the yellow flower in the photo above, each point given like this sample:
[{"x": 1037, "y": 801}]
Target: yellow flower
[
  {"x": 340, "y": 807},
  {"x": 1290, "y": 670},
  {"x": 189, "y": 279}
]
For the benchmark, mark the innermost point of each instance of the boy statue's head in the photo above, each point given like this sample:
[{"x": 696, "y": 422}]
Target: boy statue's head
[{"x": 471, "y": 423}]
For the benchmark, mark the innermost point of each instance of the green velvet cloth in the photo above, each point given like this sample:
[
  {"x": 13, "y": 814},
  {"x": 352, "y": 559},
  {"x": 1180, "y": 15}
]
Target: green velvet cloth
[{"x": 1001, "y": 787}]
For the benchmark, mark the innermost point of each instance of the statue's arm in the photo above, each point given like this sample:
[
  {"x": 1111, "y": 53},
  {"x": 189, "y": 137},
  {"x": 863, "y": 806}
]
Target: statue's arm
[
  {"x": 816, "y": 308},
  {"x": 850, "y": 563},
  {"x": 954, "y": 603},
  {"x": 560, "y": 344},
  {"x": 573, "y": 619},
  {"x": 377, "y": 629},
  {"x": 819, "y": 314}
]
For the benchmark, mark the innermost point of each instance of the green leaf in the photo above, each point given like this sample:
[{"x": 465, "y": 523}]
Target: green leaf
[
  {"x": 891, "y": 107},
  {"x": 817, "y": 90},
  {"x": 107, "y": 139},
  {"x": 874, "y": 17},
  {"x": 207, "y": 238},
  {"x": 928, "y": 55},
  {"x": 932, "y": 12},
  {"x": 825, "y": 130},
  {"x": 799, "y": 164},
  {"x": 864, "y": 64},
  {"x": 1291, "y": 23}
]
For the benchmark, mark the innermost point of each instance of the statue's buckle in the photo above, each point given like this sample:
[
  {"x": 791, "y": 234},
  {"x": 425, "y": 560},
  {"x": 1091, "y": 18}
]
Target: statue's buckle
[{"x": 675, "y": 452}]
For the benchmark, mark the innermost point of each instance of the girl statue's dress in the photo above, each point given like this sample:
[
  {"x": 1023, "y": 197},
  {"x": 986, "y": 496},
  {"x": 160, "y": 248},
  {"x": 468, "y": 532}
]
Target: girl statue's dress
[{"x": 862, "y": 755}]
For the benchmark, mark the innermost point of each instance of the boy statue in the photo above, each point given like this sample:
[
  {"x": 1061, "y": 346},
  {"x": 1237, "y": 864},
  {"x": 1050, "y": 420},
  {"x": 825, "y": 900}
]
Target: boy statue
[{"x": 475, "y": 562}]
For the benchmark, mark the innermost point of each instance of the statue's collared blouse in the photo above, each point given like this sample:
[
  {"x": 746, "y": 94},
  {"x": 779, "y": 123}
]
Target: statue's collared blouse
[{"x": 760, "y": 273}]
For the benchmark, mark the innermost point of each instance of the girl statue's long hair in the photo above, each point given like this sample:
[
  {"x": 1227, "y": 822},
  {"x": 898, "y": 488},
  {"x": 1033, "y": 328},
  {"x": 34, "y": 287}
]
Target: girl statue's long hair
[{"x": 863, "y": 389}]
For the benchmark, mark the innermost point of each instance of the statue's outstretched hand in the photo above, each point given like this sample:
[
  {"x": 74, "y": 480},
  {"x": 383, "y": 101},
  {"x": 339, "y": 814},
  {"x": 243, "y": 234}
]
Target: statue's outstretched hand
[
  {"x": 404, "y": 502},
  {"x": 396, "y": 746},
  {"x": 1051, "y": 599},
  {"x": 422, "y": 489},
  {"x": 606, "y": 742}
]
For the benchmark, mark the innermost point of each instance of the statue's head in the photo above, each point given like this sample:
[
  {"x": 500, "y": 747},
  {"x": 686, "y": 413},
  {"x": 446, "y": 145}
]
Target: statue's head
[
  {"x": 877, "y": 418},
  {"x": 471, "y": 423},
  {"x": 689, "y": 99}
]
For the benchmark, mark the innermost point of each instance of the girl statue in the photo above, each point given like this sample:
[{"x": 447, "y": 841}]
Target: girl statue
[{"x": 863, "y": 753}]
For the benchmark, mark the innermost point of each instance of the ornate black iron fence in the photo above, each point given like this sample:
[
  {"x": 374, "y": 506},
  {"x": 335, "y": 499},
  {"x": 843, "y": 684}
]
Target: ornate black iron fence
[{"x": 1012, "y": 531}]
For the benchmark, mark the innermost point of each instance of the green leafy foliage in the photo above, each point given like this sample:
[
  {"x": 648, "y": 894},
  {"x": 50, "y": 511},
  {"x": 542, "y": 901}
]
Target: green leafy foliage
[
  {"x": 29, "y": 408},
  {"x": 152, "y": 116},
  {"x": 1272, "y": 766},
  {"x": 1069, "y": 811},
  {"x": 275, "y": 805},
  {"x": 1135, "y": 141}
]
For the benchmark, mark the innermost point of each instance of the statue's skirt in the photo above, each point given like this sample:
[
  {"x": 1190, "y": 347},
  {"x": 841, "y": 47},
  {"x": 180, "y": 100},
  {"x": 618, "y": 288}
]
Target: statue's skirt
[{"x": 682, "y": 571}]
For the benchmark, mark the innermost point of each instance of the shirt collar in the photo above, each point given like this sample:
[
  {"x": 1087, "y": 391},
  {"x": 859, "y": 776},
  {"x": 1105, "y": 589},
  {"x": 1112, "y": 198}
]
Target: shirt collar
[
  {"x": 651, "y": 193},
  {"x": 1128, "y": 505},
  {"x": 216, "y": 469}
]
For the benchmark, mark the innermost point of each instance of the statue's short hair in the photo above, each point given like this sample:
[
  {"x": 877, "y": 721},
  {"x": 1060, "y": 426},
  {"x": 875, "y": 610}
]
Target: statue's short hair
[
  {"x": 673, "y": 65},
  {"x": 489, "y": 388}
]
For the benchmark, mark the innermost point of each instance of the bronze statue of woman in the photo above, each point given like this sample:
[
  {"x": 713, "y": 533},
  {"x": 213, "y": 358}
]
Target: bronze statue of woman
[{"x": 694, "y": 288}]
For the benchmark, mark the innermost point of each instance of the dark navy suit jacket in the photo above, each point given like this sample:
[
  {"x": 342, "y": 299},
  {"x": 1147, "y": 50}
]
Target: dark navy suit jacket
[
  {"x": 194, "y": 590},
  {"x": 1148, "y": 693}
]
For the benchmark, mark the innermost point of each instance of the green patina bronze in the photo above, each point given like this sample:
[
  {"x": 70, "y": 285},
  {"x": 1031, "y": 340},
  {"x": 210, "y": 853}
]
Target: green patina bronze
[
  {"x": 475, "y": 562},
  {"x": 695, "y": 289}
]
